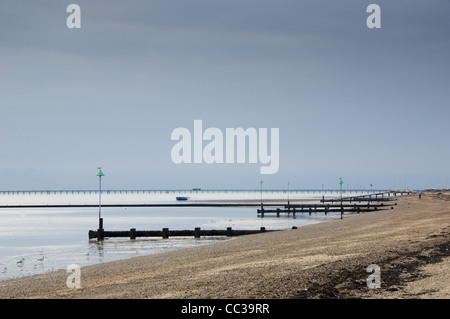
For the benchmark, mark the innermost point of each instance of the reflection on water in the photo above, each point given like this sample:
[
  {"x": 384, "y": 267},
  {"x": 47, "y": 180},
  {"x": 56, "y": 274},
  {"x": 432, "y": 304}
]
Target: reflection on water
[{"x": 34, "y": 241}]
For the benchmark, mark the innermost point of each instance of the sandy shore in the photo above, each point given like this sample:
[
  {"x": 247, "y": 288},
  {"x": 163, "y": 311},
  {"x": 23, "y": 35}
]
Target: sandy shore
[{"x": 410, "y": 244}]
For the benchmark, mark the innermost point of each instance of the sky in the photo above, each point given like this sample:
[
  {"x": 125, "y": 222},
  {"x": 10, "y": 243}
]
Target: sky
[{"x": 368, "y": 105}]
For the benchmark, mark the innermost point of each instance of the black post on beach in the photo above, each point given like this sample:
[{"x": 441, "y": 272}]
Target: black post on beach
[
  {"x": 197, "y": 232},
  {"x": 100, "y": 219},
  {"x": 289, "y": 206},
  {"x": 262, "y": 209}
]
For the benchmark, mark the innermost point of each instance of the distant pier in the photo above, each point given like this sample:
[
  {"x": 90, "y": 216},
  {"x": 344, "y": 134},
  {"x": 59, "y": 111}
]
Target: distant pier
[{"x": 184, "y": 204}]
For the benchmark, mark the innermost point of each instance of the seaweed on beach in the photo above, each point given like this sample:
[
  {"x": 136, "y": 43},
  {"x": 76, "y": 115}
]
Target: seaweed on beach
[{"x": 398, "y": 268}]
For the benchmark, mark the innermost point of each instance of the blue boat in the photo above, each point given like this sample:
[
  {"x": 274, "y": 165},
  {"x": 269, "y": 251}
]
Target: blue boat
[{"x": 182, "y": 198}]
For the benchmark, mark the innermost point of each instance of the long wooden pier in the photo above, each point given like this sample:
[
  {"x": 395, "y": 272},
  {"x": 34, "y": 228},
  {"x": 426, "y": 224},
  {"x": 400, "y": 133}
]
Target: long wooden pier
[
  {"x": 255, "y": 204},
  {"x": 100, "y": 234},
  {"x": 191, "y": 204}
]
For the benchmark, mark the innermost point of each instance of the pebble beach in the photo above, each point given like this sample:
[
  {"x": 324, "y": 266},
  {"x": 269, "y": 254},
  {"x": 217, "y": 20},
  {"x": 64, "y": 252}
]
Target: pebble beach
[{"x": 409, "y": 243}]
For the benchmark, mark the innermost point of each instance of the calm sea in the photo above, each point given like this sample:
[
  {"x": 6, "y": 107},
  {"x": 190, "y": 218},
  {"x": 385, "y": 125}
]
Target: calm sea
[{"x": 38, "y": 240}]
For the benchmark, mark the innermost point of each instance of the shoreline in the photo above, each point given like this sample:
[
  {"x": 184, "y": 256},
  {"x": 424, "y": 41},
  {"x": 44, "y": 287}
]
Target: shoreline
[{"x": 326, "y": 260}]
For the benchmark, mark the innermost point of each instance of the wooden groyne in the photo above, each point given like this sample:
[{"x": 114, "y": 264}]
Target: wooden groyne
[
  {"x": 100, "y": 234},
  {"x": 377, "y": 197},
  {"x": 321, "y": 208},
  {"x": 369, "y": 202}
]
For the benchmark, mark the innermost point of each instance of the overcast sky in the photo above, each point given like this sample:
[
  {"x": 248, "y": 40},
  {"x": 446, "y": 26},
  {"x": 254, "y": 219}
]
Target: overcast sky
[{"x": 368, "y": 105}]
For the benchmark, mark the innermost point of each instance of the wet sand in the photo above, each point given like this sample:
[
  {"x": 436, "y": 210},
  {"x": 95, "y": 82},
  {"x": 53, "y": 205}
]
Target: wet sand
[{"x": 410, "y": 244}]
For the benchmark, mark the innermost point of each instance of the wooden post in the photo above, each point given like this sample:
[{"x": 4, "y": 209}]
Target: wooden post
[
  {"x": 100, "y": 230},
  {"x": 261, "y": 212},
  {"x": 229, "y": 232},
  {"x": 263, "y": 229},
  {"x": 165, "y": 233},
  {"x": 133, "y": 233},
  {"x": 278, "y": 212},
  {"x": 197, "y": 232}
]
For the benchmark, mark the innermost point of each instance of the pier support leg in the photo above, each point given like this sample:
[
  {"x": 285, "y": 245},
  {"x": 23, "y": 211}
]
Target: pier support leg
[
  {"x": 260, "y": 212},
  {"x": 100, "y": 230}
]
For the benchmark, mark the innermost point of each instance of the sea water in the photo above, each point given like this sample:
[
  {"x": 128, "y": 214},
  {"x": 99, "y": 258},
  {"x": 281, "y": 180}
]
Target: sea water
[{"x": 38, "y": 240}]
